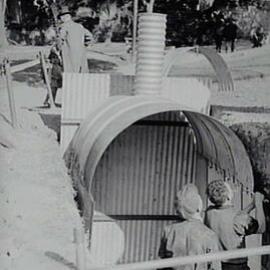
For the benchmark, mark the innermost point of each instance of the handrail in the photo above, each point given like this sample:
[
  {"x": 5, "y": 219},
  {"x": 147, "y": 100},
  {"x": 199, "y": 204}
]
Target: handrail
[
  {"x": 7, "y": 70},
  {"x": 25, "y": 65},
  {"x": 173, "y": 262}
]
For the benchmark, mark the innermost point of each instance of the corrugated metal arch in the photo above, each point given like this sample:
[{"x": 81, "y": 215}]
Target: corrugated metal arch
[
  {"x": 228, "y": 152},
  {"x": 215, "y": 142},
  {"x": 220, "y": 67},
  {"x": 103, "y": 124}
]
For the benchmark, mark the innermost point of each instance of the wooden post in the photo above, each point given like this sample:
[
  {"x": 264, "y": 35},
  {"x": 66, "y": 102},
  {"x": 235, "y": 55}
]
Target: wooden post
[
  {"x": 46, "y": 77},
  {"x": 80, "y": 251},
  {"x": 11, "y": 99},
  {"x": 134, "y": 34}
]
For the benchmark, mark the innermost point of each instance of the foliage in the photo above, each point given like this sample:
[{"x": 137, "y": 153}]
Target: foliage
[
  {"x": 252, "y": 17},
  {"x": 256, "y": 139},
  {"x": 184, "y": 22},
  {"x": 112, "y": 19}
]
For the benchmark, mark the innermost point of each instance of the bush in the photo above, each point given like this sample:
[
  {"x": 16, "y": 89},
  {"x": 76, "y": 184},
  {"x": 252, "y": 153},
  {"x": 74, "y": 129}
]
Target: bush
[{"x": 256, "y": 139}]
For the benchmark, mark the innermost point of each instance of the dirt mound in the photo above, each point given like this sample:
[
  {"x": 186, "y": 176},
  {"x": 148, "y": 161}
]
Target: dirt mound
[{"x": 38, "y": 212}]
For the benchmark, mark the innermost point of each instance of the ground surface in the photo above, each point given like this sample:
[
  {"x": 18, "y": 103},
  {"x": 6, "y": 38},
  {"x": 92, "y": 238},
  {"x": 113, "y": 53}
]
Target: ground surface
[{"x": 38, "y": 213}]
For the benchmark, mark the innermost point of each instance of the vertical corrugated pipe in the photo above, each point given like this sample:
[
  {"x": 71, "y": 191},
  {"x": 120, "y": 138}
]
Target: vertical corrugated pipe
[{"x": 150, "y": 53}]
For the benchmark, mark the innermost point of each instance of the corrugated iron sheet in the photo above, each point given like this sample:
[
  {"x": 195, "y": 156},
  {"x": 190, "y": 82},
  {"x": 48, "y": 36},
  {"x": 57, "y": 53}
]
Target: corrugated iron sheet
[
  {"x": 144, "y": 167},
  {"x": 67, "y": 133},
  {"x": 220, "y": 145},
  {"x": 222, "y": 71},
  {"x": 122, "y": 85},
  {"x": 170, "y": 58},
  {"x": 187, "y": 91},
  {"x": 106, "y": 230},
  {"x": 94, "y": 138},
  {"x": 142, "y": 239},
  {"x": 81, "y": 93},
  {"x": 145, "y": 164},
  {"x": 221, "y": 68},
  {"x": 139, "y": 174}
]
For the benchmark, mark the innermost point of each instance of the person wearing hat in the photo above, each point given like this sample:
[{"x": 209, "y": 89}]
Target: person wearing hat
[
  {"x": 190, "y": 236},
  {"x": 72, "y": 42}
]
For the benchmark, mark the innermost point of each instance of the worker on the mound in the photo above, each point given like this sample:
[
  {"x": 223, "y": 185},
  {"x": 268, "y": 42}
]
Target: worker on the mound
[
  {"x": 73, "y": 38},
  {"x": 190, "y": 236}
]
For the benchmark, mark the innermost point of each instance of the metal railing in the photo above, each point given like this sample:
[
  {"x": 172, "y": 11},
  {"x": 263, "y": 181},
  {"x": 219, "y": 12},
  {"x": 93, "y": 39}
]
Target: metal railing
[{"x": 178, "y": 261}]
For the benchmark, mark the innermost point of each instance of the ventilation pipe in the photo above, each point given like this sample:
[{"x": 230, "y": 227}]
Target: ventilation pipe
[{"x": 150, "y": 53}]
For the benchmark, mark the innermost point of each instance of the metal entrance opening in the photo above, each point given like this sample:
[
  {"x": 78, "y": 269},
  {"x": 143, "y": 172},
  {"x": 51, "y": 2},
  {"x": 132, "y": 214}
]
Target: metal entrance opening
[{"x": 131, "y": 154}]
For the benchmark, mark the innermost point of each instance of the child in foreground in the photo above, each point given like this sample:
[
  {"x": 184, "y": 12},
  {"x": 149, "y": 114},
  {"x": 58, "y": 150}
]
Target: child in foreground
[
  {"x": 190, "y": 236},
  {"x": 230, "y": 225}
]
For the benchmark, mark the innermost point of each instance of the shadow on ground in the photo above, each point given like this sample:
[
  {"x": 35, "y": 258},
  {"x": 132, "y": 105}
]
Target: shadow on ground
[{"x": 52, "y": 121}]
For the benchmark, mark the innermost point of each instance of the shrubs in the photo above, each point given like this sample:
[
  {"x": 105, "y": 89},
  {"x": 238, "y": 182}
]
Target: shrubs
[{"x": 256, "y": 139}]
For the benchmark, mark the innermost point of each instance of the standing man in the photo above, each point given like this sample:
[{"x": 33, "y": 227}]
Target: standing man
[
  {"x": 73, "y": 37},
  {"x": 230, "y": 33},
  {"x": 218, "y": 20}
]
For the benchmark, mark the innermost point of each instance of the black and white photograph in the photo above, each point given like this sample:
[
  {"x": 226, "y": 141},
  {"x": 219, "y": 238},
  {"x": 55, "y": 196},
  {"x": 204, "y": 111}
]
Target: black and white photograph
[{"x": 134, "y": 134}]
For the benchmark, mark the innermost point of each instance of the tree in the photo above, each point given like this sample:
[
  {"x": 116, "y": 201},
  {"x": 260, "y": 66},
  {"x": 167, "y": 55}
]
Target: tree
[
  {"x": 3, "y": 38},
  {"x": 115, "y": 20}
]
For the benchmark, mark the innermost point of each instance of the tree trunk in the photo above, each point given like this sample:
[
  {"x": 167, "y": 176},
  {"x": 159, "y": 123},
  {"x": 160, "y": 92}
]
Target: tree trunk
[{"x": 3, "y": 38}]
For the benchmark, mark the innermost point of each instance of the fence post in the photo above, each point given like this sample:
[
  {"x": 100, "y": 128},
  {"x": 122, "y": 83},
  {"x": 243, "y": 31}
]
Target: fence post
[
  {"x": 80, "y": 249},
  {"x": 46, "y": 77},
  {"x": 11, "y": 100}
]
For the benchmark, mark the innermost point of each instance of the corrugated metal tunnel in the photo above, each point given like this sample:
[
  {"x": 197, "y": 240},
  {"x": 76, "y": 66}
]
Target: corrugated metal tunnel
[{"x": 130, "y": 156}]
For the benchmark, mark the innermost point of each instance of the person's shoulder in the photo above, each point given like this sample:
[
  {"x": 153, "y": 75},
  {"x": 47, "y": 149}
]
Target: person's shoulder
[
  {"x": 226, "y": 208},
  {"x": 172, "y": 228},
  {"x": 245, "y": 224},
  {"x": 76, "y": 24},
  {"x": 177, "y": 224},
  {"x": 211, "y": 208},
  {"x": 208, "y": 232},
  {"x": 220, "y": 212},
  {"x": 204, "y": 234}
]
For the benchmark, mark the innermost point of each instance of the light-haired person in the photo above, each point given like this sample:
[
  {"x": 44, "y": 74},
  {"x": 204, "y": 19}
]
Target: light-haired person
[
  {"x": 190, "y": 236},
  {"x": 230, "y": 224}
]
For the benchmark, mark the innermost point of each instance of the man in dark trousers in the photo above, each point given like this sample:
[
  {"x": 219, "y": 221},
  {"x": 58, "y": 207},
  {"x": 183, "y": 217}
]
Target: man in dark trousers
[
  {"x": 218, "y": 21},
  {"x": 230, "y": 33}
]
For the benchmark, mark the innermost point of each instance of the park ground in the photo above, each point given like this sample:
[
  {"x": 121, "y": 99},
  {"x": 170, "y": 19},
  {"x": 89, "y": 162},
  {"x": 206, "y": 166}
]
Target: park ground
[{"x": 38, "y": 213}]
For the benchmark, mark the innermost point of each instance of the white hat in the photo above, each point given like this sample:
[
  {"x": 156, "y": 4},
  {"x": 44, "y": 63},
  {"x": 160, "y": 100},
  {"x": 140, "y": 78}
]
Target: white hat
[{"x": 189, "y": 201}]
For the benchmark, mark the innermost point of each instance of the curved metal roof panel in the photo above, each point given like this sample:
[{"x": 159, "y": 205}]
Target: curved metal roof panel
[
  {"x": 221, "y": 145},
  {"x": 220, "y": 67},
  {"x": 214, "y": 141}
]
